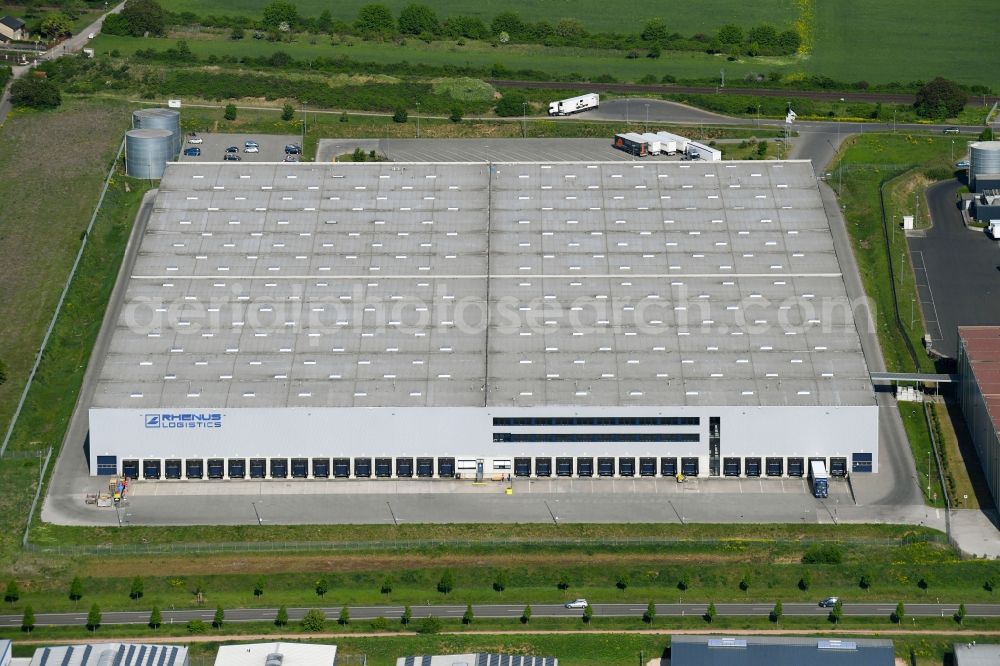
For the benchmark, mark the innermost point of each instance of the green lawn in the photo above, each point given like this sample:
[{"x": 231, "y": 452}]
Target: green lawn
[{"x": 683, "y": 17}]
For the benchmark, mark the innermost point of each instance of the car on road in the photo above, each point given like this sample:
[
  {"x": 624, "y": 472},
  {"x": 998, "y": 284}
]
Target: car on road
[
  {"x": 194, "y": 138},
  {"x": 192, "y": 152},
  {"x": 293, "y": 149},
  {"x": 964, "y": 164},
  {"x": 91, "y": 35},
  {"x": 577, "y": 603},
  {"x": 232, "y": 149},
  {"x": 951, "y": 130},
  {"x": 251, "y": 149},
  {"x": 829, "y": 602},
  {"x": 231, "y": 157}
]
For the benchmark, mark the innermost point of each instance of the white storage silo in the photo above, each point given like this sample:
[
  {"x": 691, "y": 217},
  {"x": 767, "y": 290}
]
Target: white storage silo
[
  {"x": 167, "y": 119},
  {"x": 984, "y": 159}
]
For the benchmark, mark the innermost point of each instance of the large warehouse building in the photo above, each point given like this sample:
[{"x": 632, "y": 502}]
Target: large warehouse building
[
  {"x": 397, "y": 320},
  {"x": 979, "y": 395}
]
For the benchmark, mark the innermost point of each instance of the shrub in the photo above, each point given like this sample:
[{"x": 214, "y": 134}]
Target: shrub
[
  {"x": 429, "y": 625},
  {"x": 456, "y": 114},
  {"x": 622, "y": 582},
  {"x": 401, "y": 116},
  {"x": 826, "y": 553},
  {"x": 196, "y": 627},
  {"x": 898, "y": 614},
  {"x": 776, "y": 612},
  {"x": 468, "y": 616},
  {"x": 710, "y": 612},
  {"x": 35, "y": 92},
  {"x": 940, "y": 99},
  {"x": 510, "y": 105},
  {"x": 380, "y": 624},
  {"x": 344, "y": 618},
  {"x": 287, "y": 112},
  {"x": 344, "y": 119},
  {"x": 805, "y": 580},
  {"x": 314, "y": 620},
  {"x": 230, "y": 114},
  {"x": 386, "y": 586}
]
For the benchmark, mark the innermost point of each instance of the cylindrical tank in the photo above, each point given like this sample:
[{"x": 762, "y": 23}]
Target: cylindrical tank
[
  {"x": 984, "y": 158},
  {"x": 147, "y": 152},
  {"x": 167, "y": 119}
]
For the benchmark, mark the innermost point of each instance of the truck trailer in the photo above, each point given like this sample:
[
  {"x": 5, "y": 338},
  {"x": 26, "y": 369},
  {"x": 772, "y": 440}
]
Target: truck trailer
[
  {"x": 565, "y": 107},
  {"x": 820, "y": 481}
]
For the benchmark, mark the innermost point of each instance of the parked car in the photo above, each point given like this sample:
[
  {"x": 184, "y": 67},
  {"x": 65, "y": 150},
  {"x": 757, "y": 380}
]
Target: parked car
[
  {"x": 293, "y": 149},
  {"x": 231, "y": 157},
  {"x": 251, "y": 149},
  {"x": 194, "y": 138},
  {"x": 251, "y": 144},
  {"x": 232, "y": 149},
  {"x": 91, "y": 35},
  {"x": 964, "y": 164},
  {"x": 192, "y": 152},
  {"x": 291, "y": 158},
  {"x": 951, "y": 130},
  {"x": 829, "y": 602},
  {"x": 577, "y": 603}
]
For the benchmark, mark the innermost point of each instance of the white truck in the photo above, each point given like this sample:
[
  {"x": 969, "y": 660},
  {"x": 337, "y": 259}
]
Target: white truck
[
  {"x": 565, "y": 107},
  {"x": 994, "y": 229},
  {"x": 820, "y": 481}
]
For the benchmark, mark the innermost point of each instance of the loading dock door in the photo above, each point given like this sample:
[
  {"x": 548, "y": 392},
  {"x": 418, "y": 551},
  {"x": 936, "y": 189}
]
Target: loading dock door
[
  {"x": 752, "y": 466},
  {"x": 446, "y": 467},
  {"x": 130, "y": 469},
  {"x": 404, "y": 467},
  {"x": 731, "y": 466},
  {"x": 626, "y": 466},
  {"x": 564, "y": 467},
  {"x": 861, "y": 462},
  {"x": 237, "y": 468},
  {"x": 107, "y": 465},
  {"x": 150, "y": 469},
  {"x": 605, "y": 467},
  {"x": 363, "y": 467},
  {"x": 341, "y": 468},
  {"x": 543, "y": 466},
  {"x": 796, "y": 466},
  {"x": 172, "y": 469},
  {"x": 838, "y": 466},
  {"x": 383, "y": 468},
  {"x": 279, "y": 468},
  {"x": 647, "y": 466},
  {"x": 300, "y": 468},
  {"x": 668, "y": 466},
  {"x": 216, "y": 468},
  {"x": 258, "y": 468},
  {"x": 585, "y": 467},
  {"x": 194, "y": 468},
  {"x": 321, "y": 468},
  {"x": 425, "y": 467},
  {"x": 522, "y": 466},
  {"x": 689, "y": 466},
  {"x": 774, "y": 467}
]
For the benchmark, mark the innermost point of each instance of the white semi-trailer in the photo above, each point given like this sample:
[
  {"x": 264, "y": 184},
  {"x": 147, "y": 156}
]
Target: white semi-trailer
[{"x": 565, "y": 107}]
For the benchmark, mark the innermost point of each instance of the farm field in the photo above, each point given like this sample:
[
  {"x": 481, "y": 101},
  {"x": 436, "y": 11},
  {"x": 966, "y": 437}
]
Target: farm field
[
  {"x": 905, "y": 41},
  {"x": 684, "y": 17}
]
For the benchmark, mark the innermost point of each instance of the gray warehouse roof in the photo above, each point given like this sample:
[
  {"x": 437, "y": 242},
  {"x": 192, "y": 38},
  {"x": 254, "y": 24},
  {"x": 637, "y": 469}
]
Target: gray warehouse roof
[
  {"x": 510, "y": 284},
  {"x": 970, "y": 654},
  {"x": 690, "y": 650}
]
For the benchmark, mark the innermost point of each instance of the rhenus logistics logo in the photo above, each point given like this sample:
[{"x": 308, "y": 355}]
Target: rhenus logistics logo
[{"x": 184, "y": 420}]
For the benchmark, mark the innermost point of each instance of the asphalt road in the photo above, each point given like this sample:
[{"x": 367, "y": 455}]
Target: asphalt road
[
  {"x": 957, "y": 270},
  {"x": 78, "y": 618}
]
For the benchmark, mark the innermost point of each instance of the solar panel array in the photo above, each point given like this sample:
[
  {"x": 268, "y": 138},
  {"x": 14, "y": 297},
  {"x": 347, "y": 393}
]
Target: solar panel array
[{"x": 511, "y": 284}]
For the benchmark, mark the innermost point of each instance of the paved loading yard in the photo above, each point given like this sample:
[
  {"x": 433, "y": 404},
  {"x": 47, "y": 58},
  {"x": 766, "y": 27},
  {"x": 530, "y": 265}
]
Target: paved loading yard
[{"x": 213, "y": 147}]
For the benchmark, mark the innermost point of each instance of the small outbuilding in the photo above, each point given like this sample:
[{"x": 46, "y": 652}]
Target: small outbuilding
[
  {"x": 12, "y": 29},
  {"x": 971, "y": 654}
]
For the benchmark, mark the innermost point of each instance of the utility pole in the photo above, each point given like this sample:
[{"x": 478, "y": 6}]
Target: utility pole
[{"x": 626, "y": 110}]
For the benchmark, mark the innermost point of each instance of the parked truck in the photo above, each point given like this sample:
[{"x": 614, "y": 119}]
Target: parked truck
[
  {"x": 565, "y": 107},
  {"x": 818, "y": 477}
]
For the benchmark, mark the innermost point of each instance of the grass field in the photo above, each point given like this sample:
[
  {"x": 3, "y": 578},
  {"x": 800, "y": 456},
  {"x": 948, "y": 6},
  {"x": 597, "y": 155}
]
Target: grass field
[
  {"x": 903, "y": 41},
  {"x": 65, "y": 155},
  {"x": 683, "y": 17},
  {"x": 866, "y": 162}
]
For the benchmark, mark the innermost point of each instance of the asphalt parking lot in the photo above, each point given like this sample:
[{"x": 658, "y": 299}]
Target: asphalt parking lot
[
  {"x": 213, "y": 147},
  {"x": 484, "y": 150}
]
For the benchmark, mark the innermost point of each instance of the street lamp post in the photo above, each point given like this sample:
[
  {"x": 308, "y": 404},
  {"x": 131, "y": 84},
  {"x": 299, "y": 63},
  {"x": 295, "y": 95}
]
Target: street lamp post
[
  {"x": 626, "y": 110},
  {"x": 524, "y": 114},
  {"x": 758, "y": 114},
  {"x": 418, "y": 120},
  {"x": 647, "y": 117}
]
